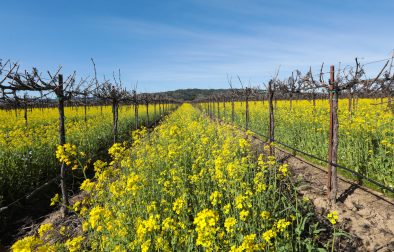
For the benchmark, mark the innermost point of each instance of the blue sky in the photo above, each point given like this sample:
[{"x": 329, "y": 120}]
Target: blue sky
[{"x": 166, "y": 45}]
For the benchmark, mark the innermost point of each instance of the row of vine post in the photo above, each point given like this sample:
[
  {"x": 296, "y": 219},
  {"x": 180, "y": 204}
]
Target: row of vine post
[{"x": 352, "y": 81}]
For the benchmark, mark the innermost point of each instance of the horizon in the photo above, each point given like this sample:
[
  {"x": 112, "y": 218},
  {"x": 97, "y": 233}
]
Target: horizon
[{"x": 193, "y": 44}]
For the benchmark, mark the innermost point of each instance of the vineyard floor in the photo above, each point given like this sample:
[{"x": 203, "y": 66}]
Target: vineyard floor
[
  {"x": 363, "y": 213},
  {"x": 366, "y": 215}
]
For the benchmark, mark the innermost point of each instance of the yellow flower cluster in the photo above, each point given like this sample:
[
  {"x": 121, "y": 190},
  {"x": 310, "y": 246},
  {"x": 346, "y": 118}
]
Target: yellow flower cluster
[
  {"x": 243, "y": 215},
  {"x": 282, "y": 224},
  {"x": 333, "y": 217},
  {"x": 43, "y": 242},
  {"x": 283, "y": 169},
  {"x": 44, "y": 229},
  {"x": 205, "y": 222},
  {"x": 248, "y": 244},
  {"x": 116, "y": 151},
  {"x": 55, "y": 199},
  {"x": 32, "y": 243},
  {"x": 87, "y": 185},
  {"x": 74, "y": 244},
  {"x": 229, "y": 224},
  {"x": 67, "y": 153},
  {"x": 178, "y": 205},
  {"x": 265, "y": 215},
  {"x": 216, "y": 198},
  {"x": 268, "y": 235}
]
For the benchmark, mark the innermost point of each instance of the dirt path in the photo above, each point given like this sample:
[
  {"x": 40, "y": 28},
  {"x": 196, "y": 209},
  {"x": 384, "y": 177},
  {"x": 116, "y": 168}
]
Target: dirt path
[{"x": 362, "y": 212}]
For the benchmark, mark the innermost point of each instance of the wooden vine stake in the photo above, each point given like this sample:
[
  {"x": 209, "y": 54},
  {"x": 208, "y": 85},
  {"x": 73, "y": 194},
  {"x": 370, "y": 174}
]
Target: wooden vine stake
[
  {"x": 155, "y": 112},
  {"x": 218, "y": 105},
  {"x": 247, "y": 94},
  {"x": 135, "y": 101},
  {"x": 213, "y": 109},
  {"x": 62, "y": 141},
  {"x": 209, "y": 108},
  {"x": 115, "y": 116},
  {"x": 271, "y": 129},
  {"x": 232, "y": 109},
  {"x": 332, "y": 183},
  {"x": 224, "y": 107},
  {"x": 146, "y": 100}
]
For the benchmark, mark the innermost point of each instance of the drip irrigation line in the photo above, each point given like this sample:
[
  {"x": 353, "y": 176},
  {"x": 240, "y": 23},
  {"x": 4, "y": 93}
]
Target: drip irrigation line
[{"x": 325, "y": 161}]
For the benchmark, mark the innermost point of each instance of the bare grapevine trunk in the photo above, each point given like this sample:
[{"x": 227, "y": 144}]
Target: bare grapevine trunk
[
  {"x": 154, "y": 113},
  {"x": 247, "y": 112},
  {"x": 334, "y": 179},
  {"x": 271, "y": 128},
  {"x": 115, "y": 112},
  {"x": 218, "y": 104},
  {"x": 350, "y": 102},
  {"x": 25, "y": 115},
  {"x": 314, "y": 100},
  {"x": 84, "y": 109},
  {"x": 62, "y": 141},
  {"x": 333, "y": 139},
  {"x": 232, "y": 110},
  {"x": 147, "y": 114},
  {"x": 136, "y": 116},
  {"x": 224, "y": 108}
]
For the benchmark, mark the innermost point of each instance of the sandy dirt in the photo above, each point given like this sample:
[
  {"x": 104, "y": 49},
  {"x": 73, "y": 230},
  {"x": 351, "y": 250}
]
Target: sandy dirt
[{"x": 363, "y": 213}]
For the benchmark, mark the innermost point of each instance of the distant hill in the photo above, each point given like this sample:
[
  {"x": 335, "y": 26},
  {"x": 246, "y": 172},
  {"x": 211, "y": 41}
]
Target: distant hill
[{"x": 192, "y": 93}]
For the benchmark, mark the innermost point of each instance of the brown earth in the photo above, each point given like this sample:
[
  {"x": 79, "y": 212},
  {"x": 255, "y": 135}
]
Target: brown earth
[{"x": 363, "y": 213}]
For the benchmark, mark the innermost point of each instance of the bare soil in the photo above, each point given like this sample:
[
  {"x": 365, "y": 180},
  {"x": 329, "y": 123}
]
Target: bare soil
[{"x": 366, "y": 214}]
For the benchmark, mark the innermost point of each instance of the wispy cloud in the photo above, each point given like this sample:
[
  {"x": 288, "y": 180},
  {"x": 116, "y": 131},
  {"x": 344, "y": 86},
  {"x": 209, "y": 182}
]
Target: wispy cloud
[
  {"x": 197, "y": 43},
  {"x": 202, "y": 57}
]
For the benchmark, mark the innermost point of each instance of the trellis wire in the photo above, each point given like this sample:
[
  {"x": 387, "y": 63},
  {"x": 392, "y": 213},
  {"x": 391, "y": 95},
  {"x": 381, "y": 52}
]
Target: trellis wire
[{"x": 359, "y": 175}]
